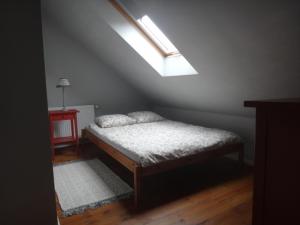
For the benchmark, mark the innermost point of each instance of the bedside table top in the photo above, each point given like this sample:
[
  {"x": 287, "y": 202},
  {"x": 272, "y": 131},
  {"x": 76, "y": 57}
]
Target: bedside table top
[{"x": 57, "y": 112}]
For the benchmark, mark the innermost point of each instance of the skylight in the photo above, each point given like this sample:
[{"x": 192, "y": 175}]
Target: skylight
[
  {"x": 157, "y": 36},
  {"x": 136, "y": 28}
]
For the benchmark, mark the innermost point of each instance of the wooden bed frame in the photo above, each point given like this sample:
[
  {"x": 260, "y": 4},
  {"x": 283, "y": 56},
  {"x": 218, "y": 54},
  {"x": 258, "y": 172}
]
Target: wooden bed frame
[{"x": 140, "y": 171}]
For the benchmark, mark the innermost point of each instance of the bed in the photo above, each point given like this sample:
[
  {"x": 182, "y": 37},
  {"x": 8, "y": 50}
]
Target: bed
[{"x": 150, "y": 148}]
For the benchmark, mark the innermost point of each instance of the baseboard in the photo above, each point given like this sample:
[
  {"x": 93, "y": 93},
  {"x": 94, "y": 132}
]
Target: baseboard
[{"x": 248, "y": 162}]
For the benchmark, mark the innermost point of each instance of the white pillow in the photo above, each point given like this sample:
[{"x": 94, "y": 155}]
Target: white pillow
[
  {"x": 114, "y": 120},
  {"x": 145, "y": 116}
]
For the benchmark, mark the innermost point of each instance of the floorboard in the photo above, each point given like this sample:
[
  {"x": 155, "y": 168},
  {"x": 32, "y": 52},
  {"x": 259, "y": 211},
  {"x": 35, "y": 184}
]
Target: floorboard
[{"x": 213, "y": 193}]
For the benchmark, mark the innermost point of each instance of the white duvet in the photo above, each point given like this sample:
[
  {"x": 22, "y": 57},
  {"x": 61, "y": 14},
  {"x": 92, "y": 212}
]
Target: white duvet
[{"x": 149, "y": 143}]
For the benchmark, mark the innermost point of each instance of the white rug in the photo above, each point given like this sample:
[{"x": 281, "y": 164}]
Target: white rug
[{"x": 87, "y": 184}]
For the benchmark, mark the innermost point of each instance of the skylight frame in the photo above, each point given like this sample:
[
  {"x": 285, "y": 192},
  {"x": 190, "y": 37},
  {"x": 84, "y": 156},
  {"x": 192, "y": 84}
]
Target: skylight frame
[{"x": 144, "y": 31}]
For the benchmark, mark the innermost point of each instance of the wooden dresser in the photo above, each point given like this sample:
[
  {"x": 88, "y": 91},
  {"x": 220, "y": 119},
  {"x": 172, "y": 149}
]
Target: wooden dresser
[{"x": 277, "y": 162}]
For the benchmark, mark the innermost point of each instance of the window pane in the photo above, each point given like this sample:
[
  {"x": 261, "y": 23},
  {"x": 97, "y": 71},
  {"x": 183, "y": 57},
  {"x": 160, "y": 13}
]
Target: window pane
[{"x": 157, "y": 35}]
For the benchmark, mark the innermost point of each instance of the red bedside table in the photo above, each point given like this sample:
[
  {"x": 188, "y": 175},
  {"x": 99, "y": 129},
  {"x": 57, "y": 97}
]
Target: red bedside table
[{"x": 60, "y": 115}]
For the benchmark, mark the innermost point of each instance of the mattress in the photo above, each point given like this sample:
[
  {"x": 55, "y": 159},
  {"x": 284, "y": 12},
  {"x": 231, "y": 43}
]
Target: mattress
[{"x": 150, "y": 143}]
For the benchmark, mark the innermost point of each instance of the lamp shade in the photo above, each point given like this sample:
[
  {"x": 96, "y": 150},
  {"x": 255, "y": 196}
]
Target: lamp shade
[{"x": 63, "y": 82}]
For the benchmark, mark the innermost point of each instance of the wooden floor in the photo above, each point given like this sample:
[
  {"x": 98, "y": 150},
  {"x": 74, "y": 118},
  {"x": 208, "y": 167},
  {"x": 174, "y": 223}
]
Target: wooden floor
[{"x": 214, "y": 193}]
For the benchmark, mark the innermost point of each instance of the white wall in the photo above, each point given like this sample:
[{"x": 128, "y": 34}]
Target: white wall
[
  {"x": 242, "y": 49},
  {"x": 241, "y": 125},
  {"x": 92, "y": 81}
]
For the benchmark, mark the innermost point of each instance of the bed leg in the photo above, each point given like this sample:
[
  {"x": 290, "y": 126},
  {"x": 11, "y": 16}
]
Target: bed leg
[
  {"x": 241, "y": 158},
  {"x": 137, "y": 187}
]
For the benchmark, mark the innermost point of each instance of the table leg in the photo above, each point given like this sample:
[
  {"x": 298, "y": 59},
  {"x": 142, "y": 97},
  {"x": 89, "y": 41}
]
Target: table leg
[
  {"x": 52, "y": 139},
  {"x": 137, "y": 178},
  {"x": 72, "y": 129},
  {"x": 76, "y": 135}
]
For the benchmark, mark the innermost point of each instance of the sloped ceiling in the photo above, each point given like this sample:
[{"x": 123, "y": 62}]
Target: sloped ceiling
[{"x": 242, "y": 49}]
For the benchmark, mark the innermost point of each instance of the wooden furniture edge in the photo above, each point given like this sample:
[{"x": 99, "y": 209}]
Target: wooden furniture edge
[
  {"x": 271, "y": 102},
  {"x": 195, "y": 158}
]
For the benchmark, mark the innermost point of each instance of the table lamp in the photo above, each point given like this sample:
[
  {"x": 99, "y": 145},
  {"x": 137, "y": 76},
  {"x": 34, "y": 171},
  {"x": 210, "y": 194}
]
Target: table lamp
[{"x": 62, "y": 83}]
